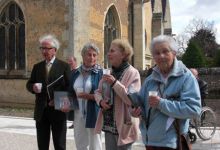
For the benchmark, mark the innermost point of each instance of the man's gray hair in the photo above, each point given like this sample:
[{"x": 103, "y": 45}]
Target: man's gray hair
[
  {"x": 50, "y": 39},
  {"x": 164, "y": 38},
  {"x": 88, "y": 46}
]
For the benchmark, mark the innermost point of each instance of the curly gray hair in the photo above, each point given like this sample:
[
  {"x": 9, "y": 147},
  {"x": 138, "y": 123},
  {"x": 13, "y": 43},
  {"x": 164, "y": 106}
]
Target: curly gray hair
[{"x": 88, "y": 46}]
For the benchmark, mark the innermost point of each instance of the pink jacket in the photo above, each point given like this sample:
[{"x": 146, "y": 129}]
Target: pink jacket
[{"x": 127, "y": 125}]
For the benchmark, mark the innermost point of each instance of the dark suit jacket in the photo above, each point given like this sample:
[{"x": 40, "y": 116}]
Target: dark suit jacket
[{"x": 38, "y": 75}]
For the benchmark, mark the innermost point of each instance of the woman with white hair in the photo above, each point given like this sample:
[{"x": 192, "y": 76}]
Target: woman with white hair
[
  {"x": 167, "y": 114},
  {"x": 84, "y": 81},
  {"x": 48, "y": 119}
]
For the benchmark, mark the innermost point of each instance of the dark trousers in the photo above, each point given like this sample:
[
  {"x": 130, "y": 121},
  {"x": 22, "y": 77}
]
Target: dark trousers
[{"x": 44, "y": 127}]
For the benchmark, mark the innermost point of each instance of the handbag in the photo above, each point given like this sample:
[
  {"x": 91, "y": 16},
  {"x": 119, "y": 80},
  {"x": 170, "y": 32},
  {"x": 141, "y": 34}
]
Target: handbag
[{"x": 183, "y": 140}]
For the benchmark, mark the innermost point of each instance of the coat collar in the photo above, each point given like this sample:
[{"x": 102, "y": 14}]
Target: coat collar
[{"x": 178, "y": 69}]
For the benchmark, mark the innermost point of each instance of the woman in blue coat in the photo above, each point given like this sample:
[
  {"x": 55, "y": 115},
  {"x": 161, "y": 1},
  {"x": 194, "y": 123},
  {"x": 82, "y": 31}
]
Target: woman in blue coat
[
  {"x": 178, "y": 97},
  {"x": 84, "y": 81}
]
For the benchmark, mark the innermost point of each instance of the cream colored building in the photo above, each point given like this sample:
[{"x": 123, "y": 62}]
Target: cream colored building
[{"x": 74, "y": 22}]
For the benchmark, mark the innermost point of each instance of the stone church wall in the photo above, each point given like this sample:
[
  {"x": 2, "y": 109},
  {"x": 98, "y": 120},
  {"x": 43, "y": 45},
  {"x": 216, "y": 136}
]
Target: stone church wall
[
  {"x": 212, "y": 77},
  {"x": 53, "y": 16},
  {"x": 41, "y": 17},
  {"x": 14, "y": 94},
  {"x": 74, "y": 23}
]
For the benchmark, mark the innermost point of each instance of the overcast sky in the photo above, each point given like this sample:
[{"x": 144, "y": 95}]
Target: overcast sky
[{"x": 182, "y": 11}]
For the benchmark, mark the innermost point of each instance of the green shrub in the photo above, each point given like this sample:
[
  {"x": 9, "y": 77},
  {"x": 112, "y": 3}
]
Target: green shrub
[{"x": 193, "y": 57}]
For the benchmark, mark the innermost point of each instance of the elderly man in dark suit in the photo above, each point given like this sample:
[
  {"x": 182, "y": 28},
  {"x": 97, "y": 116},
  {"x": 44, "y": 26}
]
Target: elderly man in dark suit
[{"x": 55, "y": 71}]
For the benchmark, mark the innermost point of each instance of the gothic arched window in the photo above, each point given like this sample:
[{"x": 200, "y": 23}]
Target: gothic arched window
[
  {"x": 111, "y": 31},
  {"x": 12, "y": 40}
]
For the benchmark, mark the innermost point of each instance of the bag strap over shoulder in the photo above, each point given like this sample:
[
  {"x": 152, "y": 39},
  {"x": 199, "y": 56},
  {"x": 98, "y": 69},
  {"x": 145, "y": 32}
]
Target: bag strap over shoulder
[
  {"x": 177, "y": 127},
  {"x": 183, "y": 141}
]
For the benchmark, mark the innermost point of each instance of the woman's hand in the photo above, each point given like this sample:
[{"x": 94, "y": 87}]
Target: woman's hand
[
  {"x": 136, "y": 112},
  {"x": 104, "y": 105},
  {"x": 154, "y": 101},
  {"x": 109, "y": 78}
]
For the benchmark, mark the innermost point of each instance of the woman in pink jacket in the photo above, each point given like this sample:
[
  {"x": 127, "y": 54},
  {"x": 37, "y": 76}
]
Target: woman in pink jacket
[{"x": 121, "y": 129}]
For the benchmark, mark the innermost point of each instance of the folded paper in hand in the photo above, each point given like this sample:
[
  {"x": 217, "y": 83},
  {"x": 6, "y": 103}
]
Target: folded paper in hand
[{"x": 63, "y": 100}]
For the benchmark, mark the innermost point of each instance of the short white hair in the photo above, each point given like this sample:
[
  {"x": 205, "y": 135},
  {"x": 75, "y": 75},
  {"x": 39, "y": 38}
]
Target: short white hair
[
  {"x": 164, "y": 38},
  {"x": 50, "y": 39}
]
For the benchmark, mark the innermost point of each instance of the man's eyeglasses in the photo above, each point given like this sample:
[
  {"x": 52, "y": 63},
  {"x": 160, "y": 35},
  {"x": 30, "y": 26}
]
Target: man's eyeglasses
[{"x": 46, "y": 48}]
